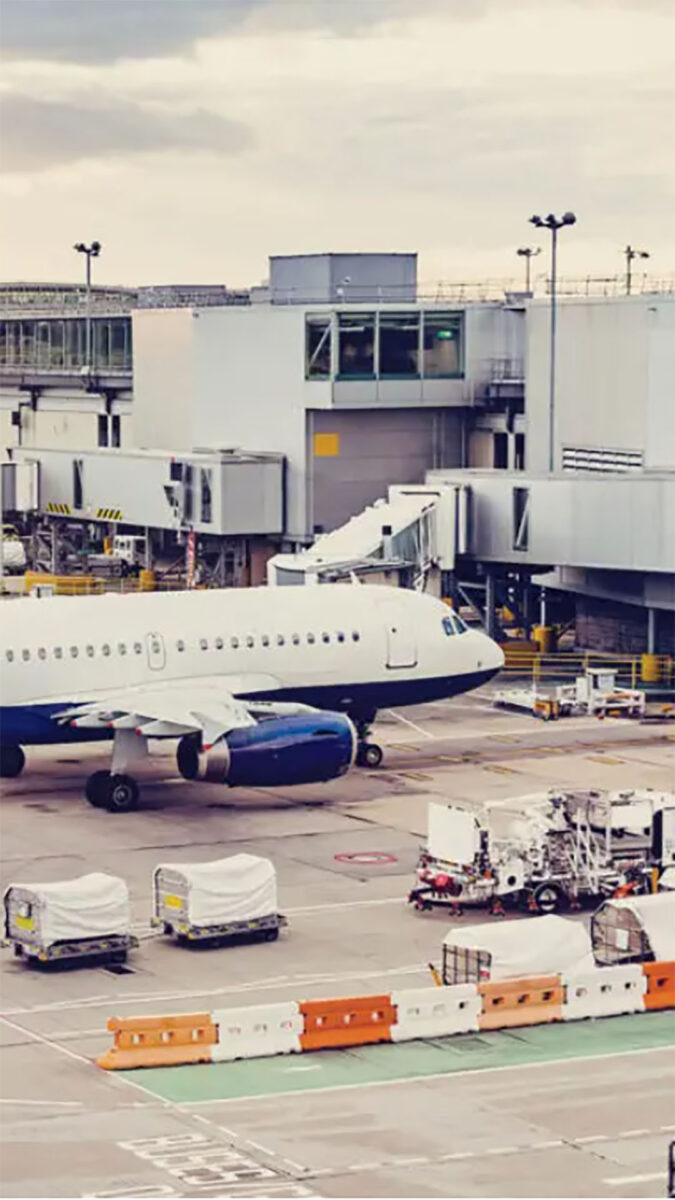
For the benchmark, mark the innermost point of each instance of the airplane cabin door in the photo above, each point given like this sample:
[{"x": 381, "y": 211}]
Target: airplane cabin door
[
  {"x": 154, "y": 643},
  {"x": 401, "y": 640}
]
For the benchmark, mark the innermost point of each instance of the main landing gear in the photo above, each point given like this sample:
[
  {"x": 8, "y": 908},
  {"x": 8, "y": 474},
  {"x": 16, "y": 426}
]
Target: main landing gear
[
  {"x": 117, "y": 793},
  {"x": 368, "y": 754},
  {"x": 12, "y": 761},
  {"x": 115, "y": 790}
]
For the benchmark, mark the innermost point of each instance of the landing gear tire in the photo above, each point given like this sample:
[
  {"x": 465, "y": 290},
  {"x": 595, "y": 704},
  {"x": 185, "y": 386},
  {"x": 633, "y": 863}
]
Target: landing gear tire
[
  {"x": 369, "y": 755},
  {"x": 96, "y": 789},
  {"x": 122, "y": 794},
  {"x": 12, "y": 761},
  {"x": 548, "y": 898}
]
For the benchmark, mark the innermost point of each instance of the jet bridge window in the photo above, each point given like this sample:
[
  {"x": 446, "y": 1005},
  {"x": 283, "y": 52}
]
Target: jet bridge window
[
  {"x": 206, "y": 476},
  {"x": 521, "y": 518},
  {"x": 78, "y": 489},
  {"x": 318, "y": 347}
]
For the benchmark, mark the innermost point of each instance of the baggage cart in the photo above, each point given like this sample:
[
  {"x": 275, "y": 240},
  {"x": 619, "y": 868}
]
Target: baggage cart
[
  {"x": 230, "y": 900},
  {"x": 83, "y": 919}
]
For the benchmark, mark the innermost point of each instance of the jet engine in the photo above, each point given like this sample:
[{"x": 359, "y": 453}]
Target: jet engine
[{"x": 276, "y": 752}]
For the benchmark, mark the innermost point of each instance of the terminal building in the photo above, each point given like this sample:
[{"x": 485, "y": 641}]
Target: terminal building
[{"x": 340, "y": 418}]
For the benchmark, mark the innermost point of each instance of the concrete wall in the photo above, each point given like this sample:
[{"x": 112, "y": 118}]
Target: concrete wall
[
  {"x": 372, "y": 451},
  {"x": 615, "y": 372}
]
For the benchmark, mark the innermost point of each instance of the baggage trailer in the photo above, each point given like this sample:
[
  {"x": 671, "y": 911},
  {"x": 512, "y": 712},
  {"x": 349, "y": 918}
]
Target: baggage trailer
[
  {"x": 85, "y": 919},
  {"x": 226, "y": 901},
  {"x": 540, "y": 853}
]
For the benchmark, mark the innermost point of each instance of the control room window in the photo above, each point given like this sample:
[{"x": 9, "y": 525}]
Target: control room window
[
  {"x": 399, "y": 345},
  {"x": 442, "y": 340},
  {"x": 357, "y": 345},
  {"x": 318, "y": 347},
  {"x": 206, "y": 495},
  {"x": 103, "y": 429},
  {"x": 521, "y": 518},
  {"x": 78, "y": 494}
]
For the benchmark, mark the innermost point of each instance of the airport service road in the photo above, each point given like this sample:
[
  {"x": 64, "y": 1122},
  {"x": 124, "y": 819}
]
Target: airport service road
[{"x": 350, "y": 931}]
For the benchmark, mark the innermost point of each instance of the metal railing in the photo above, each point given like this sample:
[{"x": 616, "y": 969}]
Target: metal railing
[{"x": 523, "y": 663}]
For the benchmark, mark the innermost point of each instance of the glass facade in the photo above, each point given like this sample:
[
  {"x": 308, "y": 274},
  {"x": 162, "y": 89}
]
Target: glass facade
[
  {"x": 411, "y": 344},
  {"x": 60, "y": 344}
]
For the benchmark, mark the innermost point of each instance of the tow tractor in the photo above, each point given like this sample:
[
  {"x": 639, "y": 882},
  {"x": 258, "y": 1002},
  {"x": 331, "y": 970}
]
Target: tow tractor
[{"x": 540, "y": 853}]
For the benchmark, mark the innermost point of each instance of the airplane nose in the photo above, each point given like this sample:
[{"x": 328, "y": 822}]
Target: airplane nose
[{"x": 490, "y": 655}]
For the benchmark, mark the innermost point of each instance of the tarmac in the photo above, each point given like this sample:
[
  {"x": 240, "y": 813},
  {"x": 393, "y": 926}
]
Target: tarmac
[{"x": 576, "y": 1110}]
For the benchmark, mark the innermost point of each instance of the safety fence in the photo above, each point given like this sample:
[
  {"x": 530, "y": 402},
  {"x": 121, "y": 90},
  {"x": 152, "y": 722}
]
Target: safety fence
[
  {"x": 292, "y": 1027},
  {"x": 525, "y": 663}
]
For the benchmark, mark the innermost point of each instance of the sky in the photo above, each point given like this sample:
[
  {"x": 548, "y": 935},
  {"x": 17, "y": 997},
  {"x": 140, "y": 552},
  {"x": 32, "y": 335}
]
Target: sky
[{"x": 194, "y": 138}]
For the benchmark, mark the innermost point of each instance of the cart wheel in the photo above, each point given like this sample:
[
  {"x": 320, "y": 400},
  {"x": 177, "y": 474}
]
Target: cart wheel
[
  {"x": 271, "y": 935},
  {"x": 167, "y": 929},
  {"x": 119, "y": 957},
  {"x": 548, "y": 898}
]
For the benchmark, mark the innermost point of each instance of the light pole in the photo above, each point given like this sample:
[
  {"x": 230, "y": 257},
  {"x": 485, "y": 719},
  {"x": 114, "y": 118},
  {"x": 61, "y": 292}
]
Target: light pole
[
  {"x": 630, "y": 254},
  {"x": 92, "y": 251},
  {"x": 554, "y": 224},
  {"x": 528, "y": 253}
]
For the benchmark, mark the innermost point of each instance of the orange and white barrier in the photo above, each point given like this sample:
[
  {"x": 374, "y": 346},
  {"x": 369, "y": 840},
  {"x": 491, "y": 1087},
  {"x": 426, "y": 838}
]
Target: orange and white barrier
[
  {"x": 227, "y": 1034},
  {"x": 435, "y": 1012},
  {"x": 258, "y": 1031},
  {"x": 604, "y": 992},
  {"x": 508, "y": 1003}
]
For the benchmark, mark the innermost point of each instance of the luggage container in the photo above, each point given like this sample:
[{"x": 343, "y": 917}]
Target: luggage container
[
  {"x": 84, "y": 918},
  {"x": 544, "y": 946},
  {"x": 231, "y": 899},
  {"x": 635, "y": 929}
]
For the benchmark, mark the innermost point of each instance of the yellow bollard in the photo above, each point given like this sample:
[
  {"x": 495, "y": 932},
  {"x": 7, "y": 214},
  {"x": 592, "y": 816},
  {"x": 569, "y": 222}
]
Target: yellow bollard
[
  {"x": 147, "y": 581},
  {"x": 544, "y": 636},
  {"x": 650, "y": 668}
]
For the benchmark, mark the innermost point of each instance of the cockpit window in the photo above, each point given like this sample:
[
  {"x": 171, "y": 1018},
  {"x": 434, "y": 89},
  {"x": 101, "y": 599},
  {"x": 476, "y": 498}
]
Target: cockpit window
[
  {"x": 448, "y": 626},
  {"x": 454, "y": 624}
]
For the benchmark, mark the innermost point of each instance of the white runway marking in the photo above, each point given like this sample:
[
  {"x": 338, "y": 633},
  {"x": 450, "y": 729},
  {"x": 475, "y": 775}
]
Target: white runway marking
[
  {"x": 47, "y": 1103},
  {"x": 619, "y": 1181}
]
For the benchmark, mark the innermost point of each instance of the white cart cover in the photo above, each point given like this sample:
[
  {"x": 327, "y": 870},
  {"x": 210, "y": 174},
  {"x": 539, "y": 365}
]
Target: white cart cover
[
  {"x": 656, "y": 915},
  {"x": 537, "y": 946},
  {"x": 453, "y": 834},
  {"x": 239, "y": 888},
  {"x": 92, "y": 906}
]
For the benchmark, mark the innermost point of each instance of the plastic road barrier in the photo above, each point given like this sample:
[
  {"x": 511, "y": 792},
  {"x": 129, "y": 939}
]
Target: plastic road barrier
[
  {"x": 511, "y": 1002},
  {"x": 604, "y": 992},
  {"x": 435, "y": 1012},
  {"x": 660, "y": 984},
  {"x": 160, "y": 1041},
  {"x": 352, "y": 1021},
  {"x": 257, "y": 1031}
]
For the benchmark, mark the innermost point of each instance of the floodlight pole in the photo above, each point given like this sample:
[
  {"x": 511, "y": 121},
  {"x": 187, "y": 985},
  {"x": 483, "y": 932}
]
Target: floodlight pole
[
  {"x": 553, "y": 224},
  {"x": 92, "y": 251}
]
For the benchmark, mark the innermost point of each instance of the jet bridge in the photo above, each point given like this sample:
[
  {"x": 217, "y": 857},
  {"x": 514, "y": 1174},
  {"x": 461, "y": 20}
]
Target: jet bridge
[{"x": 410, "y": 537}]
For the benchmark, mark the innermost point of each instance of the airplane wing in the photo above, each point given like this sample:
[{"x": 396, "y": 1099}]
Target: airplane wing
[{"x": 177, "y": 708}]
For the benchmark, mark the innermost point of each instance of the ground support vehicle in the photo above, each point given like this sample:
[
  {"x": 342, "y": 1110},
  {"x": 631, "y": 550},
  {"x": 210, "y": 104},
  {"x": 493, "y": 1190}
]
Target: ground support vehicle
[
  {"x": 230, "y": 900},
  {"x": 539, "y": 853},
  {"x": 595, "y": 693},
  {"x": 84, "y": 920}
]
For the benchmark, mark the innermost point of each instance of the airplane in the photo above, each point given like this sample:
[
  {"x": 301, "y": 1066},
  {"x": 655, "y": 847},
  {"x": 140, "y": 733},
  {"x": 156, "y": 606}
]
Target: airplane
[{"x": 261, "y": 687}]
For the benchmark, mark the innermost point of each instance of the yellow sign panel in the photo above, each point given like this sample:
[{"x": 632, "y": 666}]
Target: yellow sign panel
[
  {"x": 173, "y": 901},
  {"x": 326, "y": 445}
]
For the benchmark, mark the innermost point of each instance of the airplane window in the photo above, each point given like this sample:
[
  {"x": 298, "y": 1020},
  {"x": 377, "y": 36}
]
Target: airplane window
[
  {"x": 296, "y": 639},
  {"x": 9, "y": 654},
  {"x": 448, "y": 626},
  {"x": 58, "y": 652},
  {"x": 25, "y": 654},
  {"x": 74, "y": 652},
  {"x": 265, "y": 639},
  {"x": 219, "y": 643},
  {"x": 355, "y": 636},
  {"x": 325, "y": 637},
  {"x": 234, "y": 642},
  {"x": 311, "y": 639},
  {"x": 138, "y": 649},
  {"x": 42, "y": 653},
  {"x": 281, "y": 640},
  {"x": 203, "y": 644},
  {"x": 250, "y": 641},
  {"x": 180, "y": 645},
  {"x": 121, "y": 648},
  {"x": 340, "y": 636},
  {"x": 90, "y": 651},
  {"x": 105, "y": 649}
]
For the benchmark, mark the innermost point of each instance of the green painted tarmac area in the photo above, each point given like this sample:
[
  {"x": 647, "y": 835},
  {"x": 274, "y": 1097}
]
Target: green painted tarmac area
[{"x": 406, "y": 1060}]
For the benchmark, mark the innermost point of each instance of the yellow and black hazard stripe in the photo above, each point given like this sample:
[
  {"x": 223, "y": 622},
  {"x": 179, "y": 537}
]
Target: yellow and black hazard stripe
[
  {"x": 53, "y": 506},
  {"x": 109, "y": 514}
]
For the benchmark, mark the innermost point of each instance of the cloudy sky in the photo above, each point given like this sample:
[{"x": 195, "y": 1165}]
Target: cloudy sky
[{"x": 195, "y": 137}]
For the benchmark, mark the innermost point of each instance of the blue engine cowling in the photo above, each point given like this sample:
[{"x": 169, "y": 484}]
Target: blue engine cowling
[{"x": 276, "y": 752}]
